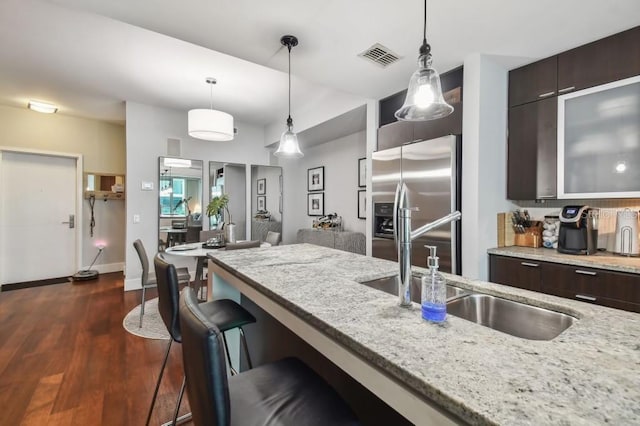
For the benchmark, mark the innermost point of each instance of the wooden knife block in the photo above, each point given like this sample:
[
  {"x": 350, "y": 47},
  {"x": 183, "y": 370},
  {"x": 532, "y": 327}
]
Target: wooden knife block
[{"x": 532, "y": 237}]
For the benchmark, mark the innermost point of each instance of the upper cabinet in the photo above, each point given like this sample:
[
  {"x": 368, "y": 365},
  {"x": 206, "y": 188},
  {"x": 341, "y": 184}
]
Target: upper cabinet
[
  {"x": 532, "y": 147},
  {"x": 103, "y": 186},
  {"x": 603, "y": 61},
  {"x": 533, "y": 82}
]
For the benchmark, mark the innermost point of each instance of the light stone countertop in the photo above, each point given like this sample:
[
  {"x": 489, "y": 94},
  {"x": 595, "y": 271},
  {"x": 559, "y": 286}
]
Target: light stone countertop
[
  {"x": 599, "y": 260},
  {"x": 589, "y": 374}
]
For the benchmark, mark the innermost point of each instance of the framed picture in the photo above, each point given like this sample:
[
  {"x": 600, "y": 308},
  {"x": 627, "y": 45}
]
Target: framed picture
[
  {"x": 262, "y": 186},
  {"x": 280, "y": 179},
  {"x": 362, "y": 204},
  {"x": 315, "y": 204},
  {"x": 362, "y": 172},
  {"x": 262, "y": 203},
  {"x": 280, "y": 203},
  {"x": 315, "y": 179}
]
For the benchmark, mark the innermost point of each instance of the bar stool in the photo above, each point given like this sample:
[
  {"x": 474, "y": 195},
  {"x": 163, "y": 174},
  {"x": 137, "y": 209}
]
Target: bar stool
[
  {"x": 286, "y": 392},
  {"x": 225, "y": 313}
]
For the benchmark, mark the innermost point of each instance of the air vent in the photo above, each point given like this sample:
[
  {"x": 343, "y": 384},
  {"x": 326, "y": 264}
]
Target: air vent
[{"x": 380, "y": 55}]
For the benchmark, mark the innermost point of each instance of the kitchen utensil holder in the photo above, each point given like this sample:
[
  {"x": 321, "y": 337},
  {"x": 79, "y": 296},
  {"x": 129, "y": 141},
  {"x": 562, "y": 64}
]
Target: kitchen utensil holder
[{"x": 532, "y": 236}]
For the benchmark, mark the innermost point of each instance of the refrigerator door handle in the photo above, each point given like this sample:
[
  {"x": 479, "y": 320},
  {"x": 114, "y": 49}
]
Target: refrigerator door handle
[{"x": 395, "y": 215}]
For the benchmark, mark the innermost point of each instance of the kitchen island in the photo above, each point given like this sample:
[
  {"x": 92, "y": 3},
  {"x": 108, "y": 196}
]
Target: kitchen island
[{"x": 458, "y": 372}]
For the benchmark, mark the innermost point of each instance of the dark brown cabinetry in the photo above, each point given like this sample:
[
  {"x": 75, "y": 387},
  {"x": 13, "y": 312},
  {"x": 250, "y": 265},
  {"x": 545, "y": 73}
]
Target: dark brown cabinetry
[
  {"x": 603, "y": 61},
  {"x": 395, "y": 134},
  {"x": 602, "y": 287},
  {"x": 515, "y": 272},
  {"x": 532, "y": 151},
  {"x": 533, "y": 82}
]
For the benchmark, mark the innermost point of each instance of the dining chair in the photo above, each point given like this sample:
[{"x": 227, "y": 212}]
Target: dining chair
[
  {"x": 285, "y": 392},
  {"x": 146, "y": 281},
  {"x": 272, "y": 238},
  {"x": 224, "y": 313}
]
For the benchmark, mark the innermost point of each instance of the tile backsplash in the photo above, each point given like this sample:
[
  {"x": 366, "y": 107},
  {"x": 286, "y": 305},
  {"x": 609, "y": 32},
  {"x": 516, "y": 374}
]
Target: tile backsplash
[{"x": 608, "y": 209}]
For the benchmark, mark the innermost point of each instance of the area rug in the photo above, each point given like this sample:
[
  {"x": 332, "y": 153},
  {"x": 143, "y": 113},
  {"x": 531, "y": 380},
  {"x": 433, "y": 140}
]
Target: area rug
[{"x": 152, "y": 325}]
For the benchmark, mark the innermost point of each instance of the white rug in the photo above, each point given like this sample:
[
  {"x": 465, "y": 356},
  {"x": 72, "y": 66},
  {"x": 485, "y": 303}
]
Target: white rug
[{"x": 152, "y": 325}]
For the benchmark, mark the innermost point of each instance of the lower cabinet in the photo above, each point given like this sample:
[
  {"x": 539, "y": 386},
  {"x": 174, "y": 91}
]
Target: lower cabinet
[{"x": 602, "y": 287}]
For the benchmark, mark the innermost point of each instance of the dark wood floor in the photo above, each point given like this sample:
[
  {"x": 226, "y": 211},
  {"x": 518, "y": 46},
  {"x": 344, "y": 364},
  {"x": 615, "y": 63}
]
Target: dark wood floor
[{"x": 65, "y": 358}]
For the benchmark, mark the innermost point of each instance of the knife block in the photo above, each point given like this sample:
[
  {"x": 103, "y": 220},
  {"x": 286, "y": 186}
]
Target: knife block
[{"x": 532, "y": 237}]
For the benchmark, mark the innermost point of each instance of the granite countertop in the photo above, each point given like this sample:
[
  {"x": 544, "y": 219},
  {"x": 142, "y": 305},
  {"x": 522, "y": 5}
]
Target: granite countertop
[
  {"x": 589, "y": 374},
  {"x": 599, "y": 260}
]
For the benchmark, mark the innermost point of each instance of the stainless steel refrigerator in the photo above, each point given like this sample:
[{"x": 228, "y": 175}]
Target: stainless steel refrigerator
[{"x": 431, "y": 170}]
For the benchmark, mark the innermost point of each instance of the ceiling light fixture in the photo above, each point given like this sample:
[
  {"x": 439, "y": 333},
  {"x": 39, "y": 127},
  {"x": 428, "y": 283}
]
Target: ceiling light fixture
[
  {"x": 288, "y": 146},
  {"x": 424, "y": 99},
  {"x": 42, "y": 107},
  {"x": 209, "y": 124}
]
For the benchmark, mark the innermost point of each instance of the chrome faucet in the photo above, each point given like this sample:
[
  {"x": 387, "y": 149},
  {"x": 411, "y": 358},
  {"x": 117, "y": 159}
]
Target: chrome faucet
[{"x": 405, "y": 235}]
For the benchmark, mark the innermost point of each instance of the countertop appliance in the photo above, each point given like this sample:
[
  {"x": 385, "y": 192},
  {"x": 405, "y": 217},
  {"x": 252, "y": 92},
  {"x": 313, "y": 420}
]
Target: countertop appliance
[
  {"x": 627, "y": 242},
  {"x": 431, "y": 171},
  {"x": 578, "y": 230}
]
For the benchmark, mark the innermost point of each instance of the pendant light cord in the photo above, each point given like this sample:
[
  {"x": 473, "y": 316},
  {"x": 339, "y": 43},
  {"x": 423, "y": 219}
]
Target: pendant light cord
[
  {"x": 289, "y": 119},
  {"x": 425, "y": 49}
]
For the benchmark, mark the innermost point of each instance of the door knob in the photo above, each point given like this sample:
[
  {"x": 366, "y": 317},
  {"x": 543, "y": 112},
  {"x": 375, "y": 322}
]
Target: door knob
[{"x": 71, "y": 222}]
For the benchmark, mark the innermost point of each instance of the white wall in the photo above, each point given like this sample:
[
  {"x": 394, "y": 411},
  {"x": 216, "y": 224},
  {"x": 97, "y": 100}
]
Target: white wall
[
  {"x": 484, "y": 129},
  {"x": 102, "y": 146},
  {"x": 340, "y": 160},
  {"x": 147, "y": 131}
]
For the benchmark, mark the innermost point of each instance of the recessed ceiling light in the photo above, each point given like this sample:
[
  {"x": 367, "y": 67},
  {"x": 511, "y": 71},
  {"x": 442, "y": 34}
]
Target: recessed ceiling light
[{"x": 42, "y": 107}]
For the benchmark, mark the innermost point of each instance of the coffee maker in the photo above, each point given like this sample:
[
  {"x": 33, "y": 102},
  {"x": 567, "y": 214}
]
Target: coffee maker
[{"x": 578, "y": 230}]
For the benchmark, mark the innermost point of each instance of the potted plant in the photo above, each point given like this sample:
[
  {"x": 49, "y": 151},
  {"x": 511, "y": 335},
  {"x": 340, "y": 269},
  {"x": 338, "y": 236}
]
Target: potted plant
[{"x": 215, "y": 208}]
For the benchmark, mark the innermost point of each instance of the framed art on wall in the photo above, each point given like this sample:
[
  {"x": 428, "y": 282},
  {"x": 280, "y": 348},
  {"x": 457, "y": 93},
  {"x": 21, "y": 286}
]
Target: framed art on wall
[
  {"x": 262, "y": 203},
  {"x": 315, "y": 204},
  {"x": 262, "y": 186},
  {"x": 362, "y": 172},
  {"x": 362, "y": 204},
  {"x": 315, "y": 179}
]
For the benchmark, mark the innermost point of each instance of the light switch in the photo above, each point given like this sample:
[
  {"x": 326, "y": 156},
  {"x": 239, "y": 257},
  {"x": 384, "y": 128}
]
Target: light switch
[
  {"x": 146, "y": 186},
  {"x": 136, "y": 218}
]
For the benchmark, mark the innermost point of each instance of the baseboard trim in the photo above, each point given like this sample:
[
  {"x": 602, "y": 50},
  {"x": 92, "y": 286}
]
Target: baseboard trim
[{"x": 36, "y": 283}]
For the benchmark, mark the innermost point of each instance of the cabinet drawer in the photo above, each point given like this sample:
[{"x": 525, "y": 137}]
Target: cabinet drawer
[
  {"x": 533, "y": 82},
  {"x": 591, "y": 285},
  {"x": 515, "y": 272}
]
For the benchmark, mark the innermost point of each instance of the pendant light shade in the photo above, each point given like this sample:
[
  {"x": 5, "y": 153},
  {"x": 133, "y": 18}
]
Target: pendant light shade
[
  {"x": 424, "y": 99},
  {"x": 210, "y": 124},
  {"x": 288, "y": 146}
]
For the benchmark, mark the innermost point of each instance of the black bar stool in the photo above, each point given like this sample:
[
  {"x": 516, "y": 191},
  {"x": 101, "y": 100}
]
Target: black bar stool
[
  {"x": 225, "y": 313},
  {"x": 286, "y": 392}
]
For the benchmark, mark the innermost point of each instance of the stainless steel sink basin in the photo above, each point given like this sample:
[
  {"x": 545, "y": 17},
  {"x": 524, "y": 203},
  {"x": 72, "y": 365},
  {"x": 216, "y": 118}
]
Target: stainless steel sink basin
[
  {"x": 390, "y": 285},
  {"x": 507, "y": 316}
]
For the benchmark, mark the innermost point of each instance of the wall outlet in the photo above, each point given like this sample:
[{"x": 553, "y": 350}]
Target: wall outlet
[{"x": 136, "y": 218}]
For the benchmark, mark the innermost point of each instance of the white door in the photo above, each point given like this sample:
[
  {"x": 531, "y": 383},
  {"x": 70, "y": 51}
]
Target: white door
[{"x": 38, "y": 195}]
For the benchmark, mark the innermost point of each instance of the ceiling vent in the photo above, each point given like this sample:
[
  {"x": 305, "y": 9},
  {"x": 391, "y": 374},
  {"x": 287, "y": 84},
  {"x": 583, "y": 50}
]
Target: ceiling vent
[{"x": 380, "y": 55}]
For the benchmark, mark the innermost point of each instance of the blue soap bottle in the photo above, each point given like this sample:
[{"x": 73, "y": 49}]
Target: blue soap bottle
[{"x": 434, "y": 290}]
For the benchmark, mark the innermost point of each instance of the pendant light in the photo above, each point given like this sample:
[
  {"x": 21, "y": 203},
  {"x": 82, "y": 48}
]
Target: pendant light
[
  {"x": 424, "y": 99},
  {"x": 209, "y": 124},
  {"x": 288, "y": 146}
]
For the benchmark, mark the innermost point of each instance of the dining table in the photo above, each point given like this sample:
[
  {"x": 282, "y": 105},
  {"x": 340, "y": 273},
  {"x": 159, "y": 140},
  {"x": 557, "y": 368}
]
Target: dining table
[{"x": 199, "y": 252}]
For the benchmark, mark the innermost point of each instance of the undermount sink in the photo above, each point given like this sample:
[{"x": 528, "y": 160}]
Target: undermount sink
[
  {"x": 514, "y": 318},
  {"x": 390, "y": 285}
]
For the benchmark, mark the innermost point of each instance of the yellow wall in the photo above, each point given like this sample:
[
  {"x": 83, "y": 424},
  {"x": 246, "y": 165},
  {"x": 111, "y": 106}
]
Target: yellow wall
[{"x": 102, "y": 144}]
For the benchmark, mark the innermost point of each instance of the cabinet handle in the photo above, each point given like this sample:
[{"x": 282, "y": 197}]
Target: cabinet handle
[
  {"x": 581, "y": 272},
  {"x": 566, "y": 89},
  {"x": 546, "y": 95},
  {"x": 583, "y": 297},
  {"x": 533, "y": 265}
]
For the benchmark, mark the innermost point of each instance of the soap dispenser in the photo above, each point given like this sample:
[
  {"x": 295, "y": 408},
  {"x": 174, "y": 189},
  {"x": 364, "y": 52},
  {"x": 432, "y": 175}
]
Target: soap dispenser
[{"x": 434, "y": 290}]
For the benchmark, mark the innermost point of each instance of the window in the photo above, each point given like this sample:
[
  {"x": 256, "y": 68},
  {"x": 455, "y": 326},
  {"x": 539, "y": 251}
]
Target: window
[{"x": 172, "y": 194}]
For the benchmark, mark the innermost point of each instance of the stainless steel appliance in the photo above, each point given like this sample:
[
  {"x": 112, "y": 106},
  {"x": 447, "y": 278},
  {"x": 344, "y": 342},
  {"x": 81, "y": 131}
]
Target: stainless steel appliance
[
  {"x": 578, "y": 230},
  {"x": 431, "y": 172},
  {"x": 627, "y": 241}
]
